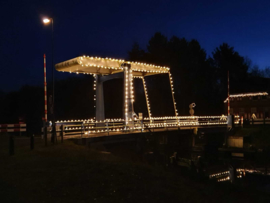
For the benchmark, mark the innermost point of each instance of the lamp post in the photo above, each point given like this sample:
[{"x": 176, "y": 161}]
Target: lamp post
[{"x": 48, "y": 21}]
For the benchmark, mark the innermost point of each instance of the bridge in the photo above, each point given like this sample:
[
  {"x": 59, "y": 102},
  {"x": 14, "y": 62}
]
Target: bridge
[
  {"x": 92, "y": 128},
  {"x": 104, "y": 69}
]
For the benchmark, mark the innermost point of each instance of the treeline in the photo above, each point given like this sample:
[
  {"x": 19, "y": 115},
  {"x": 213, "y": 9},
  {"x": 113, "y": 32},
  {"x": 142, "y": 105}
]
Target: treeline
[
  {"x": 197, "y": 78},
  {"x": 73, "y": 100}
]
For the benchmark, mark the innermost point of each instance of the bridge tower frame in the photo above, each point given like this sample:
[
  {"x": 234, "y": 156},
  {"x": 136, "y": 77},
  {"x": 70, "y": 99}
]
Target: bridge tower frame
[
  {"x": 104, "y": 69},
  {"x": 128, "y": 94}
]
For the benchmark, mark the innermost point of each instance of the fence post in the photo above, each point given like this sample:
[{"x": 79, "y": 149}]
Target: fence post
[
  {"x": 52, "y": 133},
  {"x": 55, "y": 133},
  {"x": 11, "y": 145},
  {"x": 62, "y": 133},
  {"x": 107, "y": 125},
  {"x": 32, "y": 142},
  {"x": 45, "y": 134},
  {"x": 82, "y": 130},
  {"x": 88, "y": 130}
]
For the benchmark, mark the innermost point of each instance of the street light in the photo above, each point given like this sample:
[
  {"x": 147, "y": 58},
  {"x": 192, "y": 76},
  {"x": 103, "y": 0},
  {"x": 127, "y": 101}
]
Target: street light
[{"x": 48, "y": 21}]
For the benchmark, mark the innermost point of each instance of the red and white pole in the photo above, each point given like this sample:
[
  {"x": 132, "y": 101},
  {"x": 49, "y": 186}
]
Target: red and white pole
[
  {"x": 228, "y": 93},
  {"x": 45, "y": 88}
]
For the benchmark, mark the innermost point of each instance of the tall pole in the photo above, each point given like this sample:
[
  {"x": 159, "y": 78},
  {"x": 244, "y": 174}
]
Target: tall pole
[
  {"x": 228, "y": 93},
  {"x": 53, "y": 118},
  {"x": 52, "y": 75},
  {"x": 53, "y": 137},
  {"x": 45, "y": 89}
]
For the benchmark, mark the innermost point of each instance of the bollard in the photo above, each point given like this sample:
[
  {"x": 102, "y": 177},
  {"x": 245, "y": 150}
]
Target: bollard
[
  {"x": 62, "y": 133},
  {"x": 233, "y": 174},
  {"x": 193, "y": 140},
  {"x": 11, "y": 145},
  {"x": 55, "y": 134},
  {"x": 45, "y": 135},
  {"x": 107, "y": 125},
  {"x": 32, "y": 142},
  {"x": 233, "y": 122},
  {"x": 82, "y": 130},
  {"x": 52, "y": 133}
]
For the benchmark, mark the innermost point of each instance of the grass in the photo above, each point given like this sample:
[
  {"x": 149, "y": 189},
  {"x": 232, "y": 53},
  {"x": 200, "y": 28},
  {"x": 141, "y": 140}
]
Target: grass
[{"x": 72, "y": 173}]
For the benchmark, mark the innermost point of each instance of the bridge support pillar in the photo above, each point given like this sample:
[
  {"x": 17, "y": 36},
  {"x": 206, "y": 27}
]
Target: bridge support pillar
[
  {"x": 100, "y": 113},
  {"x": 100, "y": 110},
  {"x": 128, "y": 96}
]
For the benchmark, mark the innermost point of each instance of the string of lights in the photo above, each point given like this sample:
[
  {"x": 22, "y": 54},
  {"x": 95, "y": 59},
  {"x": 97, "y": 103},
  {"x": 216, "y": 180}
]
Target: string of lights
[
  {"x": 120, "y": 126},
  {"x": 131, "y": 86},
  {"x": 190, "y": 118},
  {"x": 172, "y": 90},
  {"x": 107, "y": 65},
  {"x": 95, "y": 65},
  {"x": 95, "y": 89},
  {"x": 246, "y": 95},
  {"x": 147, "y": 99},
  {"x": 126, "y": 95}
]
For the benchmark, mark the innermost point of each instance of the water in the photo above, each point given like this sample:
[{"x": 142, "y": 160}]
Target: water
[{"x": 205, "y": 160}]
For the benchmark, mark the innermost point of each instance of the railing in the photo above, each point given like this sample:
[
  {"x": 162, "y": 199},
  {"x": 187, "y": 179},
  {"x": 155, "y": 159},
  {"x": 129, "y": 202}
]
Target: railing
[
  {"x": 90, "y": 127},
  {"x": 12, "y": 127},
  {"x": 258, "y": 121},
  {"x": 186, "y": 121}
]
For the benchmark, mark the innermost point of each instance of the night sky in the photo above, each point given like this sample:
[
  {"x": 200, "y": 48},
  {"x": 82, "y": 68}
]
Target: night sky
[{"x": 109, "y": 28}]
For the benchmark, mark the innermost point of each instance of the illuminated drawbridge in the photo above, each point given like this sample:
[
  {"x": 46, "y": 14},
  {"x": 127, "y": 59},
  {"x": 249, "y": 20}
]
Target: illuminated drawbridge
[{"x": 104, "y": 69}]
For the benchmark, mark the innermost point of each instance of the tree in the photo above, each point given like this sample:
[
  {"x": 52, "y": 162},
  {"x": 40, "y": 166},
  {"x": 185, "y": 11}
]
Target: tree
[
  {"x": 158, "y": 50},
  {"x": 256, "y": 72},
  {"x": 192, "y": 73},
  {"x": 136, "y": 53},
  {"x": 226, "y": 59},
  {"x": 267, "y": 72}
]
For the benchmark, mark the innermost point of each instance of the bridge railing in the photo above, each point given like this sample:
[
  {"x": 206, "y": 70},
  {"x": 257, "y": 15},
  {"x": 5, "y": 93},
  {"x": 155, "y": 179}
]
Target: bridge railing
[
  {"x": 259, "y": 121},
  {"x": 185, "y": 121},
  {"x": 90, "y": 127},
  {"x": 87, "y": 127},
  {"x": 249, "y": 122}
]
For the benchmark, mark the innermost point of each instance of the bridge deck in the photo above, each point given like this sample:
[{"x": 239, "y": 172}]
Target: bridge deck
[
  {"x": 111, "y": 127},
  {"x": 152, "y": 130}
]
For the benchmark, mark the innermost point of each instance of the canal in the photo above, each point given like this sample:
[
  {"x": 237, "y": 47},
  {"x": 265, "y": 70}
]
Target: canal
[{"x": 204, "y": 156}]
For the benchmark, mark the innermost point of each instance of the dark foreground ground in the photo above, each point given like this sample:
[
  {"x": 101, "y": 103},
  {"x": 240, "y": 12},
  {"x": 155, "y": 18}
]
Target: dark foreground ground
[{"x": 72, "y": 173}]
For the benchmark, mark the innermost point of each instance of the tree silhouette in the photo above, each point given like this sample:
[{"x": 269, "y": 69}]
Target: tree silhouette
[
  {"x": 226, "y": 59},
  {"x": 192, "y": 73},
  {"x": 136, "y": 53}
]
